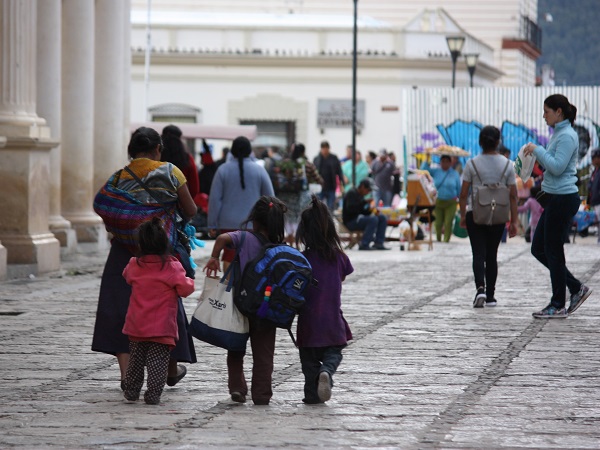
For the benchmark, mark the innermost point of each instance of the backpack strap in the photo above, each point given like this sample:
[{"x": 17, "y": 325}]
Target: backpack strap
[{"x": 234, "y": 267}]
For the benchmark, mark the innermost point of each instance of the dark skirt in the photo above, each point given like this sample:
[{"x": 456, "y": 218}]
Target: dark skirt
[{"x": 112, "y": 309}]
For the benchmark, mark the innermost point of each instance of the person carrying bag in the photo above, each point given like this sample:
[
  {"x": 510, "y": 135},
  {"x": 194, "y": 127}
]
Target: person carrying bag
[
  {"x": 216, "y": 319},
  {"x": 484, "y": 213}
]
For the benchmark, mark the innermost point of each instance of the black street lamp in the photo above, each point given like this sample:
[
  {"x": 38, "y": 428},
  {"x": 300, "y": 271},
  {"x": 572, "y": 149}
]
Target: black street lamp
[
  {"x": 455, "y": 45},
  {"x": 471, "y": 60},
  {"x": 354, "y": 49}
]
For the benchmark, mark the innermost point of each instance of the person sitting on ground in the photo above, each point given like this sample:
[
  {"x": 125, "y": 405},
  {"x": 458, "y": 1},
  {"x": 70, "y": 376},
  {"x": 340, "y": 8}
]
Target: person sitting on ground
[{"x": 357, "y": 214}]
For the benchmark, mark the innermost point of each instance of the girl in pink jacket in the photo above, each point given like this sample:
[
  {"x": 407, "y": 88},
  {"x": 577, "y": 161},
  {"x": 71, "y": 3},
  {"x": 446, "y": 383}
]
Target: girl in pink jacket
[{"x": 157, "y": 280}]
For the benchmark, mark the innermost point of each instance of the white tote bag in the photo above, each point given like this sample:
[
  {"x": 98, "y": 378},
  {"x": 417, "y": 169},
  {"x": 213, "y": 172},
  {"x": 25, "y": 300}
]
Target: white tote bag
[{"x": 217, "y": 320}]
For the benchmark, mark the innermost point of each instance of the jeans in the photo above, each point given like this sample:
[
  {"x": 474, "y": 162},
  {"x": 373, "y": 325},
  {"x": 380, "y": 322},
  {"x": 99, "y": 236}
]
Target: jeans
[
  {"x": 329, "y": 198},
  {"x": 485, "y": 240},
  {"x": 547, "y": 245},
  {"x": 373, "y": 228},
  {"x": 445, "y": 211},
  {"x": 385, "y": 197},
  {"x": 315, "y": 360}
]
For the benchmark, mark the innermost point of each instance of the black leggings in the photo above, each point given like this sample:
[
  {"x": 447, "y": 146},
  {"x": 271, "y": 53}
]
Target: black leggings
[{"x": 484, "y": 246}]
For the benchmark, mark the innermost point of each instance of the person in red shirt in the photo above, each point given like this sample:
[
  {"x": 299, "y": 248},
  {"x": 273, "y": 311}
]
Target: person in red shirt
[
  {"x": 157, "y": 280},
  {"x": 174, "y": 151}
]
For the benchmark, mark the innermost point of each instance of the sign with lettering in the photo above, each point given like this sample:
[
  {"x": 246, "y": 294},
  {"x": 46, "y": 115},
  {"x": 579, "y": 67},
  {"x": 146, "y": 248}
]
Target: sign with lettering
[{"x": 338, "y": 113}]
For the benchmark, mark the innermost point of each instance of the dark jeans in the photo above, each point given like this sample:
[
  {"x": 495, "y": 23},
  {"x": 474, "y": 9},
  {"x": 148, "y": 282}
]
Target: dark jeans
[
  {"x": 329, "y": 198},
  {"x": 485, "y": 240},
  {"x": 315, "y": 360},
  {"x": 373, "y": 228},
  {"x": 548, "y": 241},
  {"x": 262, "y": 341}
]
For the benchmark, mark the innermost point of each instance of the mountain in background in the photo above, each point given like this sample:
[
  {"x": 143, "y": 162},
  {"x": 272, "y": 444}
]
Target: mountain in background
[{"x": 571, "y": 40}]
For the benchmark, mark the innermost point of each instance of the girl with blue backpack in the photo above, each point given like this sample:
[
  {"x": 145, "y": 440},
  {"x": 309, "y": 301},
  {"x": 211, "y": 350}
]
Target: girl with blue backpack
[
  {"x": 267, "y": 219},
  {"x": 322, "y": 331}
]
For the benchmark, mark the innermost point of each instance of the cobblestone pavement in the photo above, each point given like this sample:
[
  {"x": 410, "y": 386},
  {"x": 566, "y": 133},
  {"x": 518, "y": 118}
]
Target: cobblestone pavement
[{"x": 425, "y": 369}]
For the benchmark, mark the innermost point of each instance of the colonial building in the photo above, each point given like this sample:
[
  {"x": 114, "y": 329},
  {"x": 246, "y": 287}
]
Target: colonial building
[
  {"x": 68, "y": 91},
  {"x": 286, "y": 66},
  {"x": 64, "y": 93}
]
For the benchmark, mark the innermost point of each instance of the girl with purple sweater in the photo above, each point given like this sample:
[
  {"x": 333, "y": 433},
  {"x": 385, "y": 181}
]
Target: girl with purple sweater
[{"x": 322, "y": 331}]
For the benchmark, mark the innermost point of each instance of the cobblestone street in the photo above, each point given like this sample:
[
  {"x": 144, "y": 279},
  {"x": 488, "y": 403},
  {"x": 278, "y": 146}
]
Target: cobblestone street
[{"x": 425, "y": 369}]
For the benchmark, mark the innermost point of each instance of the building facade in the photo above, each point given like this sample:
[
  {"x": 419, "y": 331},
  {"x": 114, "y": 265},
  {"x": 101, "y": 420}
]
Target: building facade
[{"x": 63, "y": 123}]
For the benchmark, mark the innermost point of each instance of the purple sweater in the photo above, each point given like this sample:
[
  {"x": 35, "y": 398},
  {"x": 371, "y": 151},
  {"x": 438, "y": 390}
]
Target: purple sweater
[{"x": 321, "y": 322}]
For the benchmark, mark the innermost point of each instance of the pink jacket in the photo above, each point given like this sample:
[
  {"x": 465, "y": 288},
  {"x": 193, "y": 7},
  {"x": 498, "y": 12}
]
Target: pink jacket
[
  {"x": 535, "y": 210},
  {"x": 155, "y": 290}
]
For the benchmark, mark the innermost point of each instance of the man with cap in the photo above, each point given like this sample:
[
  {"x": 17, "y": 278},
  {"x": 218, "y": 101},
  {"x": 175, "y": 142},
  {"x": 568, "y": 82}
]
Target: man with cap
[
  {"x": 357, "y": 214},
  {"x": 382, "y": 171}
]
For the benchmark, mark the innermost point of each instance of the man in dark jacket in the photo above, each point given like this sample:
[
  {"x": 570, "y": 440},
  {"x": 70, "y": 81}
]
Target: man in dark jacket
[
  {"x": 357, "y": 215},
  {"x": 330, "y": 169}
]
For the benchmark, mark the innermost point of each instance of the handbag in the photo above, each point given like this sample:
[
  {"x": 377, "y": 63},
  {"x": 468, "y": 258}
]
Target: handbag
[
  {"x": 216, "y": 319},
  {"x": 543, "y": 198},
  {"x": 491, "y": 202}
]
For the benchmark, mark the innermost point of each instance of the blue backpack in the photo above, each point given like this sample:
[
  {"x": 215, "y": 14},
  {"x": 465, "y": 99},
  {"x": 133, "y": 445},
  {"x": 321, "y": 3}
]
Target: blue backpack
[{"x": 273, "y": 283}]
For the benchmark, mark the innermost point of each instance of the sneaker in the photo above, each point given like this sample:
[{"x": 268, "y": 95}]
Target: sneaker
[
  {"x": 490, "y": 303},
  {"x": 238, "y": 397},
  {"x": 364, "y": 247},
  {"x": 578, "y": 299},
  {"x": 324, "y": 387},
  {"x": 480, "y": 298},
  {"x": 550, "y": 312}
]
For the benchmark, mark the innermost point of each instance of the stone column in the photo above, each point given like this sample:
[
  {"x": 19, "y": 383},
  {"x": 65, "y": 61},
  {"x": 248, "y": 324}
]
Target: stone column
[
  {"x": 48, "y": 107},
  {"x": 3, "y": 269},
  {"x": 109, "y": 153},
  {"x": 126, "y": 19},
  {"x": 77, "y": 130},
  {"x": 25, "y": 168}
]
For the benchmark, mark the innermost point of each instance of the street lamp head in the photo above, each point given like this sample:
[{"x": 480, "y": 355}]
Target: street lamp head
[
  {"x": 455, "y": 44},
  {"x": 471, "y": 59}
]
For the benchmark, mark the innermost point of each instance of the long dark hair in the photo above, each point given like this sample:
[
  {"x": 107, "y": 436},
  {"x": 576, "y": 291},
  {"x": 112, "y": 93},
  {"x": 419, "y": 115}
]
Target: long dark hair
[
  {"x": 241, "y": 148},
  {"x": 298, "y": 151},
  {"x": 317, "y": 232},
  {"x": 556, "y": 101},
  {"x": 153, "y": 239},
  {"x": 143, "y": 140},
  {"x": 268, "y": 215},
  {"x": 174, "y": 150},
  {"x": 489, "y": 138}
]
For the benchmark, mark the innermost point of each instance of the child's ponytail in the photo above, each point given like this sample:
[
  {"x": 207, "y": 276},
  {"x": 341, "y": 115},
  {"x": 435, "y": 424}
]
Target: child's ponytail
[
  {"x": 269, "y": 214},
  {"x": 317, "y": 230}
]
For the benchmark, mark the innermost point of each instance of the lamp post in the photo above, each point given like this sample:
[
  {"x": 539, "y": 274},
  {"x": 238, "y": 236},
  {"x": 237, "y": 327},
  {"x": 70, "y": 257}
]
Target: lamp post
[
  {"x": 354, "y": 38},
  {"x": 471, "y": 60},
  {"x": 455, "y": 45}
]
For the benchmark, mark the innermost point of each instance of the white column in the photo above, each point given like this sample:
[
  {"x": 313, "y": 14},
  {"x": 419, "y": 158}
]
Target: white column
[
  {"x": 25, "y": 168},
  {"x": 109, "y": 153},
  {"x": 126, "y": 19},
  {"x": 48, "y": 107},
  {"x": 77, "y": 131}
]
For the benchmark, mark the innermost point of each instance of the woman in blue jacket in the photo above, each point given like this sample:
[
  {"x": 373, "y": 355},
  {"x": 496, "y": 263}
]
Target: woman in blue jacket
[
  {"x": 448, "y": 184},
  {"x": 560, "y": 200}
]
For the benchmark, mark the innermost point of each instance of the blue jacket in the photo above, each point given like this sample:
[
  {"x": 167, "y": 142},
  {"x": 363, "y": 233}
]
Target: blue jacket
[
  {"x": 560, "y": 160},
  {"x": 450, "y": 187}
]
